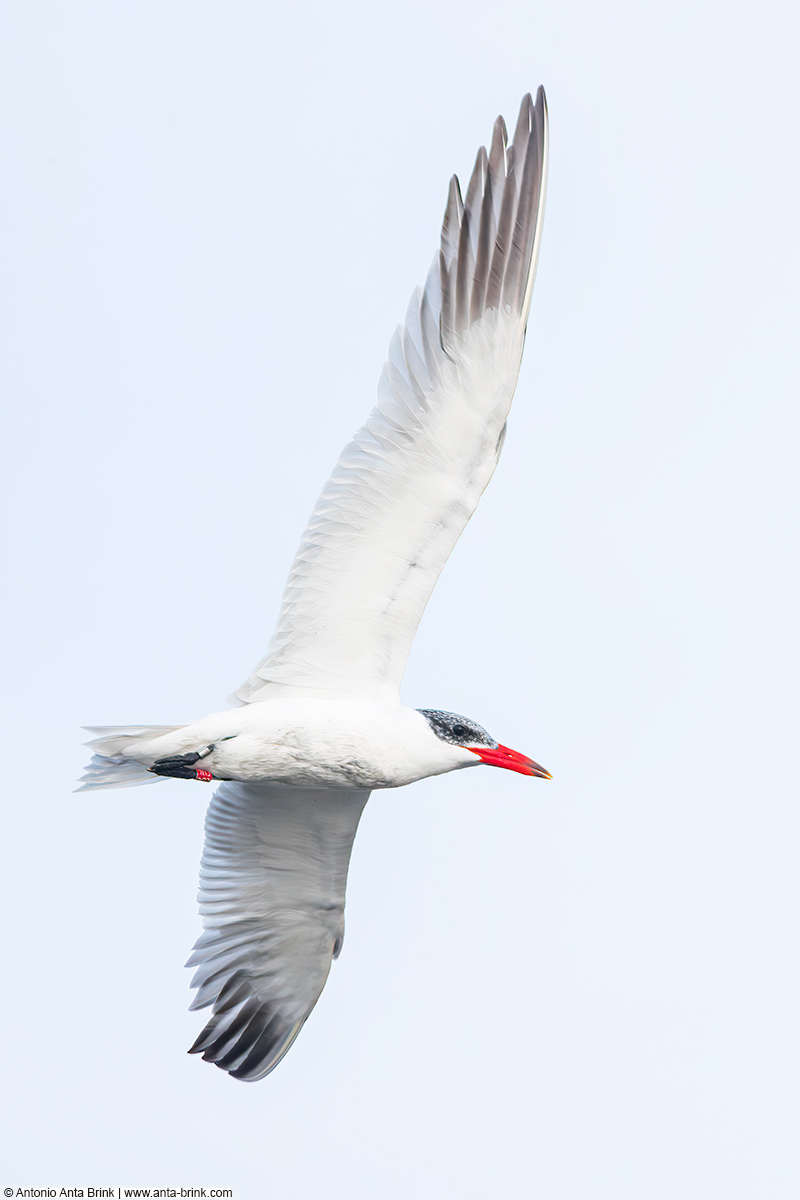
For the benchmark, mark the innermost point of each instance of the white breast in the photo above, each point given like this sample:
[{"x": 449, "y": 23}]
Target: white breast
[{"x": 339, "y": 741}]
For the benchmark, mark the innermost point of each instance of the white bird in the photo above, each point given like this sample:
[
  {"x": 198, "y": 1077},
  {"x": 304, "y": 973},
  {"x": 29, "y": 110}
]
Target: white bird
[{"x": 320, "y": 723}]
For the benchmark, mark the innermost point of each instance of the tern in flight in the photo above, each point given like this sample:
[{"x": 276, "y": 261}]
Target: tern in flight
[{"x": 319, "y": 723}]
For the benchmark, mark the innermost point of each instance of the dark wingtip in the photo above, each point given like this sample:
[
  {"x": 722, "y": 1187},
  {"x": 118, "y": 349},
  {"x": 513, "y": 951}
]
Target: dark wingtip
[{"x": 195, "y": 1047}]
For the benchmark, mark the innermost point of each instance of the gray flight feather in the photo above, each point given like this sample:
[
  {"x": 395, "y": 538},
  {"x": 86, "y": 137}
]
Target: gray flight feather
[{"x": 272, "y": 888}]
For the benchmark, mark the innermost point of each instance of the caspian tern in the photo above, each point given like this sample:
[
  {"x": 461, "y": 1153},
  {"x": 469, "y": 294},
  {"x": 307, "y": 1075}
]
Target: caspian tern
[{"x": 320, "y": 723}]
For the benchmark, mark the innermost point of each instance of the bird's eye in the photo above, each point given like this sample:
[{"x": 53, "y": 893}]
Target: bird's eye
[{"x": 460, "y": 731}]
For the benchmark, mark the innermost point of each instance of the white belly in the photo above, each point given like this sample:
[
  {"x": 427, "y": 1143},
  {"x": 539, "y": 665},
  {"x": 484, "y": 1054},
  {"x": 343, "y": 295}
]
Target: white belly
[{"x": 341, "y": 741}]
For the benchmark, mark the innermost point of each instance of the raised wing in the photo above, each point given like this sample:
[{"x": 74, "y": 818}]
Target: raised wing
[
  {"x": 405, "y": 487},
  {"x": 272, "y": 886}
]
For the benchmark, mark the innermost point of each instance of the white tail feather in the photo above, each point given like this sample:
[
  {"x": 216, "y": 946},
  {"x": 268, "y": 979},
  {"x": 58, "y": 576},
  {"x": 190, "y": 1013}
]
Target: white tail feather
[{"x": 109, "y": 767}]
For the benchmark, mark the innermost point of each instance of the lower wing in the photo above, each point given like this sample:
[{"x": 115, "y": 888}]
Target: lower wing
[{"x": 272, "y": 890}]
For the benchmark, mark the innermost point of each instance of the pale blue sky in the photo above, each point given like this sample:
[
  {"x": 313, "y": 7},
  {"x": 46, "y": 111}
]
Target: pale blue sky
[{"x": 211, "y": 218}]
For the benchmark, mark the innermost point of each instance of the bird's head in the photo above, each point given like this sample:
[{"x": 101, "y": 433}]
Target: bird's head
[{"x": 461, "y": 731}]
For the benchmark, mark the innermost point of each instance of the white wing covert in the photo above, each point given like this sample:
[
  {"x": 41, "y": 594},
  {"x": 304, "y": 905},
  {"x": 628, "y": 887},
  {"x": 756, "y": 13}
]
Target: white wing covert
[
  {"x": 405, "y": 487},
  {"x": 272, "y": 889}
]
